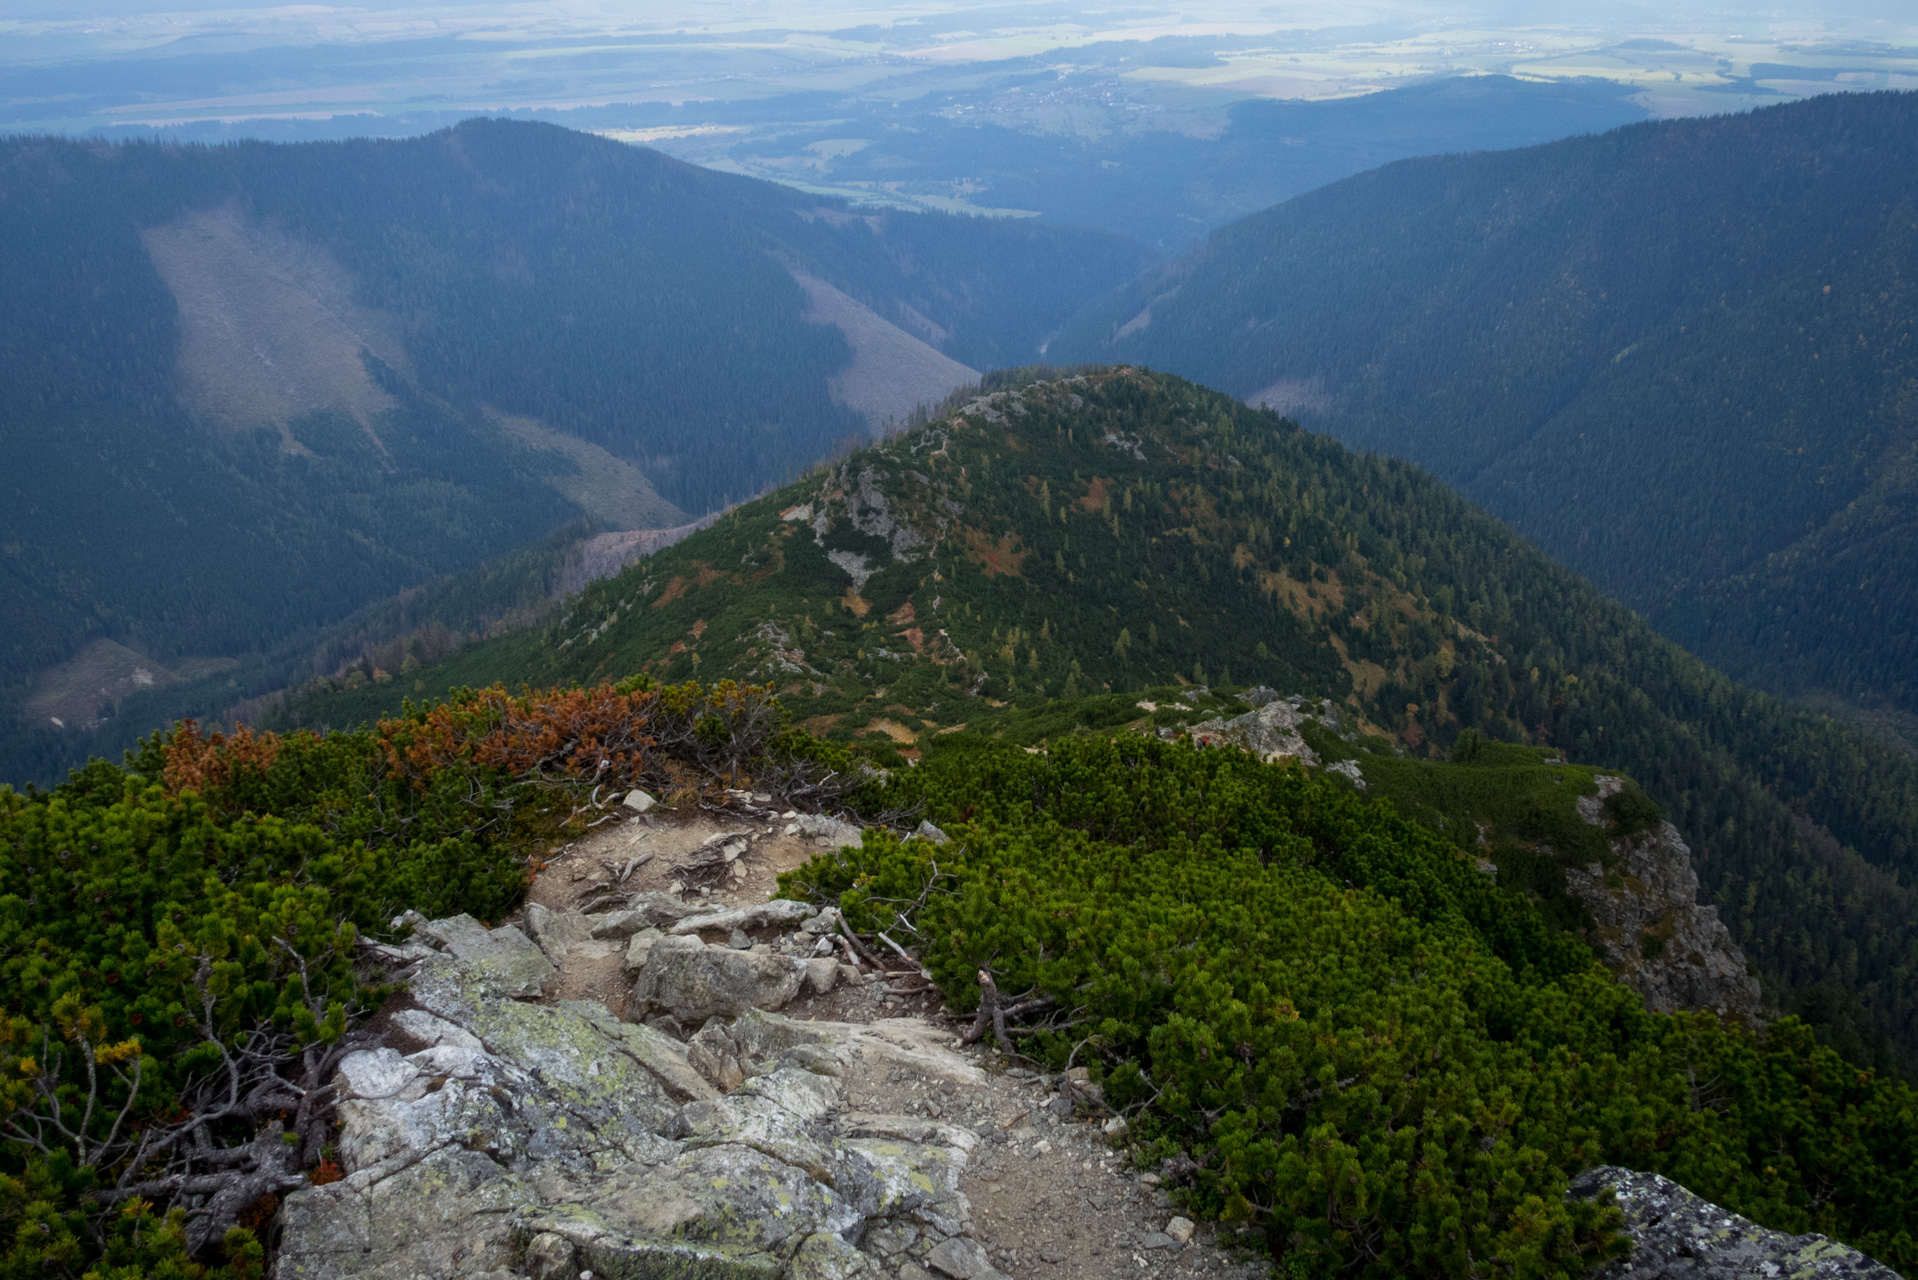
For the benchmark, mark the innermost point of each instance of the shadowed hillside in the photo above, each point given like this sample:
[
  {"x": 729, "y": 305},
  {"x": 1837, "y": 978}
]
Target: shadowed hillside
[
  {"x": 1679, "y": 356},
  {"x": 251, "y": 389}
]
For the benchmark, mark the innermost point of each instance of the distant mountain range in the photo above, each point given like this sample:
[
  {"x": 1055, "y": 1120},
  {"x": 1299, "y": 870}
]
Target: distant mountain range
[
  {"x": 1680, "y": 356},
  {"x": 1088, "y": 538},
  {"x": 1036, "y": 145},
  {"x": 250, "y": 389}
]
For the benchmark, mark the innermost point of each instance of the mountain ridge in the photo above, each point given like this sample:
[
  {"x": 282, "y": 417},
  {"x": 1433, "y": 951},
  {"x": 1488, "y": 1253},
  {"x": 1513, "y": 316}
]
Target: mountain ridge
[
  {"x": 307, "y": 378},
  {"x": 1678, "y": 355},
  {"x": 1025, "y": 549}
]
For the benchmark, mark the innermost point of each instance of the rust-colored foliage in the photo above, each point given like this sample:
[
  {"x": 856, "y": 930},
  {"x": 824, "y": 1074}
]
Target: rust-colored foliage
[
  {"x": 665, "y": 738},
  {"x": 261, "y": 1211},
  {"x": 206, "y": 762},
  {"x": 327, "y": 1171}
]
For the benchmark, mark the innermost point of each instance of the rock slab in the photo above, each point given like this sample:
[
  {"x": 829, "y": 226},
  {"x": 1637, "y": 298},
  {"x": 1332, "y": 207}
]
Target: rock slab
[
  {"x": 1678, "y": 1236},
  {"x": 498, "y": 1136}
]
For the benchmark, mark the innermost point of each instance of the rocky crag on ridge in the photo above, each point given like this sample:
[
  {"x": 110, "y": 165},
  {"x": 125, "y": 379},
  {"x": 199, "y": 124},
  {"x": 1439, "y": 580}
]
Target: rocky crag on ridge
[
  {"x": 1647, "y": 921},
  {"x": 1650, "y": 926}
]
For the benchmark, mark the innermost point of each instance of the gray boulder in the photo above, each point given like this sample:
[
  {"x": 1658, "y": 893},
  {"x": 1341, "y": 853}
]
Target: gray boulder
[
  {"x": 504, "y": 961},
  {"x": 692, "y": 982},
  {"x": 1675, "y": 1235}
]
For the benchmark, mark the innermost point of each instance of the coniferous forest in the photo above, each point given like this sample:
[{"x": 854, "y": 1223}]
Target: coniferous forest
[
  {"x": 1679, "y": 356},
  {"x": 643, "y": 309}
]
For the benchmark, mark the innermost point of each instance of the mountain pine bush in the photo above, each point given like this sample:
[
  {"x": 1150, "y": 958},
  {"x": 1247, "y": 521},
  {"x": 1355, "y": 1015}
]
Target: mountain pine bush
[
  {"x": 190, "y": 922},
  {"x": 1367, "y": 1052}
]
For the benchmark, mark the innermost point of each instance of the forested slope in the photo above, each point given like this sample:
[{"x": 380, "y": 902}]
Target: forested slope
[
  {"x": 1124, "y": 530},
  {"x": 1679, "y": 356},
  {"x": 250, "y": 389}
]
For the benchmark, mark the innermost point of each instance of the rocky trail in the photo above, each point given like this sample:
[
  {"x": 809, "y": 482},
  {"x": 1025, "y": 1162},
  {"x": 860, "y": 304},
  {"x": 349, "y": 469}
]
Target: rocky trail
[{"x": 655, "y": 1070}]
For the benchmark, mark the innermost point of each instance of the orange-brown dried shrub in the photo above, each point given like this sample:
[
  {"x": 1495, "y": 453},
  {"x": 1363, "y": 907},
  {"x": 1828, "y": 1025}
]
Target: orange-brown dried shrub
[
  {"x": 209, "y": 762},
  {"x": 603, "y": 735}
]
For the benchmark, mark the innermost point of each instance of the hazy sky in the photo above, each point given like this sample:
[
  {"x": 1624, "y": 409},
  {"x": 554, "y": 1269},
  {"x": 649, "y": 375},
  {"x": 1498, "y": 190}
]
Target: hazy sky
[{"x": 88, "y": 65}]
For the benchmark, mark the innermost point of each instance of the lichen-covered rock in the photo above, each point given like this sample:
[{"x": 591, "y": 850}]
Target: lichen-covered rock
[
  {"x": 496, "y": 1136},
  {"x": 693, "y": 982},
  {"x": 646, "y": 911},
  {"x": 504, "y": 960},
  {"x": 908, "y": 1044},
  {"x": 560, "y": 932},
  {"x": 824, "y": 1256},
  {"x": 638, "y": 948},
  {"x": 1678, "y": 1236},
  {"x": 1653, "y": 931}
]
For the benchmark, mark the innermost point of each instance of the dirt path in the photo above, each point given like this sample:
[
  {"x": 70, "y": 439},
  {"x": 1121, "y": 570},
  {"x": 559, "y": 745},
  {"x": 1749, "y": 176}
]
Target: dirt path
[{"x": 1052, "y": 1195}]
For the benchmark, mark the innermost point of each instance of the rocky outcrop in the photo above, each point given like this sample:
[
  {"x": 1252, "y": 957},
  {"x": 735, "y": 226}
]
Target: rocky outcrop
[
  {"x": 1677, "y": 1236},
  {"x": 1270, "y": 730},
  {"x": 1652, "y": 930},
  {"x": 496, "y": 1136}
]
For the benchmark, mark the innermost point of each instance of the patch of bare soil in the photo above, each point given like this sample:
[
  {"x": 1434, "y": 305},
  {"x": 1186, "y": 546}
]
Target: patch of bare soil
[
  {"x": 269, "y": 328},
  {"x": 892, "y": 372},
  {"x": 75, "y": 692},
  {"x": 1053, "y": 1196}
]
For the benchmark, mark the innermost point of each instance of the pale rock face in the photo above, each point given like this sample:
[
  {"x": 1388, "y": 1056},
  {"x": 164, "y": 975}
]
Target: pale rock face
[
  {"x": 1270, "y": 732},
  {"x": 827, "y": 833},
  {"x": 546, "y": 1140},
  {"x": 564, "y": 933},
  {"x": 780, "y": 911},
  {"x": 1677, "y": 1235},
  {"x": 1654, "y": 934}
]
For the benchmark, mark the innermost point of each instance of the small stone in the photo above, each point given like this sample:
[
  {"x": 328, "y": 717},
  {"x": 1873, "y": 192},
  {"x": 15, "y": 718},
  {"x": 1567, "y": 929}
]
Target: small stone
[
  {"x": 1181, "y": 1229},
  {"x": 960, "y": 1258},
  {"x": 639, "y": 801},
  {"x": 741, "y": 940},
  {"x": 550, "y": 1257},
  {"x": 913, "y": 1271},
  {"x": 1115, "y": 1126},
  {"x": 821, "y": 975},
  {"x": 1156, "y": 1240},
  {"x": 1149, "y": 1179}
]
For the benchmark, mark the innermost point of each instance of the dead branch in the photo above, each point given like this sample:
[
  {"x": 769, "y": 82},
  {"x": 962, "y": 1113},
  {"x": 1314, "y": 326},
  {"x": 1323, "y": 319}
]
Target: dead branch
[
  {"x": 918, "y": 968},
  {"x": 719, "y": 860},
  {"x": 853, "y": 938}
]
